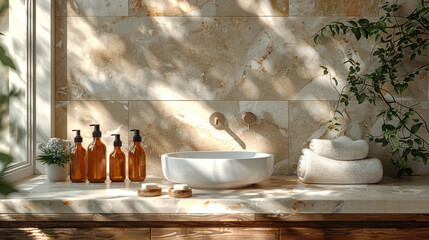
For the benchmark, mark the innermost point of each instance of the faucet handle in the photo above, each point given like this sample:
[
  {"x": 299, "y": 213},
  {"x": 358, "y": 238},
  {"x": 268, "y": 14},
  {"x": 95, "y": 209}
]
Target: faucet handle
[
  {"x": 249, "y": 119},
  {"x": 217, "y": 120}
]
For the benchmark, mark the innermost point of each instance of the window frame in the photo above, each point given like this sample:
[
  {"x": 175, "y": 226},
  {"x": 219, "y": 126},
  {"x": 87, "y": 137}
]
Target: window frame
[{"x": 38, "y": 80}]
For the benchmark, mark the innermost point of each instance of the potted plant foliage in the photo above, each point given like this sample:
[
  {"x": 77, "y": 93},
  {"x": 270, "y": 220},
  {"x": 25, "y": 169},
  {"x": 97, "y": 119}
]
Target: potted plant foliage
[
  {"x": 55, "y": 155},
  {"x": 399, "y": 42}
]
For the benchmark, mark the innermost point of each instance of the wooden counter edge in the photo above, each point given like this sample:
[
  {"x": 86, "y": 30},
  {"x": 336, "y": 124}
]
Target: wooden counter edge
[{"x": 249, "y": 219}]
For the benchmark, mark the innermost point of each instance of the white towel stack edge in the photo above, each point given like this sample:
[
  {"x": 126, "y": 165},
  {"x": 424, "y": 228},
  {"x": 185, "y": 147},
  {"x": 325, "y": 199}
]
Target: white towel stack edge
[
  {"x": 316, "y": 169},
  {"x": 342, "y": 148},
  {"x": 338, "y": 161}
]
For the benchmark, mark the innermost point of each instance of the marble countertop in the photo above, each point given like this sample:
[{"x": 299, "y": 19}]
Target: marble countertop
[{"x": 278, "y": 195}]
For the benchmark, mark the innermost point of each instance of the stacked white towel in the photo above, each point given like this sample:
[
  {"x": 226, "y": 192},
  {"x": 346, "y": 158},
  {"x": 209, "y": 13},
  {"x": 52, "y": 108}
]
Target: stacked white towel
[
  {"x": 338, "y": 161},
  {"x": 342, "y": 148}
]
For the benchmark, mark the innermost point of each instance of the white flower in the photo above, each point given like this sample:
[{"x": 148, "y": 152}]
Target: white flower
[{"x": 56, "y": 147}]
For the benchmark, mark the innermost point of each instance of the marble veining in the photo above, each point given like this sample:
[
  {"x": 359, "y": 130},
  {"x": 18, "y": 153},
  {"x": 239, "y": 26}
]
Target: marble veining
[
  {"x": 165, "y": 65},
  {"x": 201, "y": 58},
  {"x": 275, "y": 196}
]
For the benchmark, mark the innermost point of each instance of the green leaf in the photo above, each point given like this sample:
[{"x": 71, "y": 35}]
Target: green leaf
[
  {"x": 5, "y": 160},
  {"x": 353, "y": 23},
  {"x": 409, "y": 31},
  {"x": 339, "y": 113},
  {"x": 382, "y": 25},
  {"x": 332, "y": 30},
  {"x": 397, "y": 89},
  {"x": 395, "y": 142},
  {"x": 377, "y": 37},
  {"x": 316, "y": 39},
  {"x": 356, "y": 32},
  {"x": 364, "y": 32},
  {"x": 335, "y": 80},
  {"x": 337, "y": 29},
  {"x": 363, "y": 22},
  {"x": 423, "y": 12},
  {"x": 418, "y": 141},
  {"x": 323, "y": 31},
  {"x": 389, "y": 126},
  {"x": 415, "y": 128},
  {"x": 408, "y": 79},
  {"x": 5, "y": 59},
  {"x": 360, "y": 98}
]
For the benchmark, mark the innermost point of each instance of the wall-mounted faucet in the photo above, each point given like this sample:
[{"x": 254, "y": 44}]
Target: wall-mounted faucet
[
  {"x": 248, "y": 119},
  {"x": 217, "y": 120}
]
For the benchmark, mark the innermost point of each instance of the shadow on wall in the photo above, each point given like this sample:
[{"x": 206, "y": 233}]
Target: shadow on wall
[{"x": 198, "y": 58}]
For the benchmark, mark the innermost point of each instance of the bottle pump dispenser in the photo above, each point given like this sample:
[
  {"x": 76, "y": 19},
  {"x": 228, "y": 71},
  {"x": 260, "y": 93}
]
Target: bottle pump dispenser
[
  {"x": 78, "y": 160},
  {"x": 96, "y": 157},
  {"x": 137, "y": 159},
  {"x": 117, "y": 161}
]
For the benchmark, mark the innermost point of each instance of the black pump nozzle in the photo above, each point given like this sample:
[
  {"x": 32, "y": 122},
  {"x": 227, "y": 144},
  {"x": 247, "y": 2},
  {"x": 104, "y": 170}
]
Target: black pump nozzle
[
  {"x": 96, "y": 132},
  {"x": 77, "y": 138},
  {"x": 136, "y": 137},
  {"x": 117, "y": 142}
]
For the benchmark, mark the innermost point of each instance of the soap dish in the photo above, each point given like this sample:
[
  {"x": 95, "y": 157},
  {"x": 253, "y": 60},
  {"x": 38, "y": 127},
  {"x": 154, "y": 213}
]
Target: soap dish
[
  {"x": 180, "y": 191},
  {"x": 149, "y": 190}
]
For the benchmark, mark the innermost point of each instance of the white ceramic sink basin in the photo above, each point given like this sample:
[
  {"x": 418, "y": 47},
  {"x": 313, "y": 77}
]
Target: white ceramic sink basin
[{"x": 217, "y": 169}]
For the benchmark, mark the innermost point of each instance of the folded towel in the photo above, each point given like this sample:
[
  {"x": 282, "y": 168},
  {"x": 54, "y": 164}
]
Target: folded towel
[
  {"x": 316, "y": 169},
  {"x": 343, "y": 148}
]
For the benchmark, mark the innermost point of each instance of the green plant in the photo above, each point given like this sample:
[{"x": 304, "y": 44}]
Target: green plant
[
  {"x": 399, "y": 41},
  {"x": 55, "y": 151}
]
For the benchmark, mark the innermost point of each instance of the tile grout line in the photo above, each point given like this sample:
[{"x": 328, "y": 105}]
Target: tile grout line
[
  {"x": 149, "y": 17},
  {"x": 234, "y": 100}
]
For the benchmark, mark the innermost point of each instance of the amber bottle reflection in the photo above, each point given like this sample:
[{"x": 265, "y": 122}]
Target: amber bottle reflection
[
  {"x": 96, "y": 157},
  {"x": 78, "y": 160},
  {"x": 117, "y": 161},
  {"x": 137, "y": 159}
]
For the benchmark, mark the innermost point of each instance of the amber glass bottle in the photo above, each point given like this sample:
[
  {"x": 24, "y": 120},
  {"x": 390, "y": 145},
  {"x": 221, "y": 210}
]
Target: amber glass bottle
[
  {"x": 78, "y": 160},
  {"x": 96, "y": 157},
  {"x": 137, "y": 159},
  {"x": 117, "y": 161}
]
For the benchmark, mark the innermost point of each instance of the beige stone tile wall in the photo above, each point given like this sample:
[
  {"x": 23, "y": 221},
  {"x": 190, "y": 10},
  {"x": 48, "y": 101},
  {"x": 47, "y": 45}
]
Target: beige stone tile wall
[
  {"x": 164, "y": 66},
  {"x": 153, "y": 8},
  {"x": 84, "y": 8},
  {"x": 171, "y": 126},
  {"x": 349, "y": 8}
]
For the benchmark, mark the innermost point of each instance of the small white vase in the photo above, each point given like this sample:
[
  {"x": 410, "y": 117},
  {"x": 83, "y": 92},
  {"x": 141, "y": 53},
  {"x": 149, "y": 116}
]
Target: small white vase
[{"x": 56, "y": 173}]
